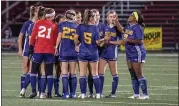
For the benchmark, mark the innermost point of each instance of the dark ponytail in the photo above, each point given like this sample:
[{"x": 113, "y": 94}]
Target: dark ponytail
[
  {"x": 141, "y": 20},
  {"x": 33, "y": 9},
  {"x": 41, "y": 12}
]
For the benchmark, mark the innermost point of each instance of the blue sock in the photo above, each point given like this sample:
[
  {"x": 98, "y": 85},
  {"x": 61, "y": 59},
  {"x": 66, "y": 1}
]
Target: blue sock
[
  {"x": 90, "y": 84},
  {"x": 115, "y": 84},
  {"x": 27, "y": 81},
  {"x": 50, "y": 84},
  {"x": 22, "y": 80},
  {"x": 65, "y": 84},
  {"x": 56, "y": 84},
  {"x": 33, "y": 82},
  {"x": 39, "y": 85},
  {"x": 74, "y": 83},
  {"x": 43, "y": 83},
  {"x": 96, "y": 81},
  {"x": 101, "y": 77},
  {"x": 135, "y": 86},
  {"x": 83, "y": 84},
  {"x": 143, "y": 85},
  {"x": 70, "y": 84}
]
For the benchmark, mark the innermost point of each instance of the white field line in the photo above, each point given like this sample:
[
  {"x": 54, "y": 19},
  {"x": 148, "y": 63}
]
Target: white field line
[{"x": 103, "y": 102}]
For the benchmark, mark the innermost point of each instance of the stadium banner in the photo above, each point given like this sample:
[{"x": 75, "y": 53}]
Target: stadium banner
[{"x": 152, "y": 38}]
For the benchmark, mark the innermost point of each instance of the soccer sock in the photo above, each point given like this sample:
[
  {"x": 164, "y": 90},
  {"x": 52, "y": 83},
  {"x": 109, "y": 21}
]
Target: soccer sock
[
  {"x": 74, "y": 83},
  {"x": 43, "y": 83},
  {"x": 56, "y": 84},
  {"x": 70, "y": 83},
  {"x": 143, "y": 85},
  {"x": 115, "y": 83},
  {"x": 96, "y": 81},
  {"x": 33, "y": 82},
  {"x": 135, "y": 82},
  {"x": 101, "y": 77},
  {"x": 27, "y": 81},
  {"x": 39, "y": 85},
  {"x": 83, "y": 84},
  {"x": 65, "y": 84},
  {"x": 90, "y": 84},
  {"x": 50, "y": 84},
  {"x": 22, "y": 80}
]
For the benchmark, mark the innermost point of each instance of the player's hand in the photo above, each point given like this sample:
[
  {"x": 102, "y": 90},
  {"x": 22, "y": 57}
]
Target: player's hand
[
  {"x": 31, "y": 51},
  {"x": 124, "y": 41},
  {"x": 115, "y": 20},
  {"x": 19, "y": 53},
  {"x": 121, "y": 42},
  {"x": 56, "y": 52},
  {"x": 107, "y": 37},
  {"x": 77, "y": 48}
]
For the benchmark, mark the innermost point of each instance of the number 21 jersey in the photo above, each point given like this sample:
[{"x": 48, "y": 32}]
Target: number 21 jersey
[{"x": 44, "y": 36}]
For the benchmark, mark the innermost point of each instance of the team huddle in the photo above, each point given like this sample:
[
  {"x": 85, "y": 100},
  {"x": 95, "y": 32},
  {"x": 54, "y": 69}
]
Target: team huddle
[{"x": 71, "y": 42}]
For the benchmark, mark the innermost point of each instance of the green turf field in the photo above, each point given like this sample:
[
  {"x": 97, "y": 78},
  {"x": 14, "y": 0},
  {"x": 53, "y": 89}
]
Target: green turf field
[{"x": 160, "y": 71}]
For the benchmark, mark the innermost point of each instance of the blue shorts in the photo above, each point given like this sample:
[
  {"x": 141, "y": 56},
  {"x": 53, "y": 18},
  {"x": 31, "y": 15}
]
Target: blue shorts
[
  {"x": 108, "y": 59},
  {"x": 91, "y": 58},
  {"x": 137, "y": 59},
  {"x": 43, "y": 57},
  {"x": 26, "y": 54},
  {"x": 68, "y": 58}
]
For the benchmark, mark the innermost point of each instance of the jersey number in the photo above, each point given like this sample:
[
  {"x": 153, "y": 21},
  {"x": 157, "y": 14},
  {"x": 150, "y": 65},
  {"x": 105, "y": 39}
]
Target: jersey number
[
  {"x": 87, "y": 37},
  {"x": 42, "y": 30},
  {"x": 67, "y": 31}
]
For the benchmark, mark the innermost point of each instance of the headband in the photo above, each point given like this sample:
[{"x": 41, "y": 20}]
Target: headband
[
  {"x": 136, "y": 16},
  {"x": 50, "y": 15}
]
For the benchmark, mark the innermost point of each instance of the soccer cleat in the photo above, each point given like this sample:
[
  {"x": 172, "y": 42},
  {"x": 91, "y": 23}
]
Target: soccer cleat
[
  {"x": 38, "y": 94},
  {"x": 83, "y": 96},
  {"x": 110, "y": 96},
  {"x": 79, "y": 96},
  {"x": 32, "y": 95},
  {"x": 49, "y": 96},
  {"x": 144, "y": 97},
  {"x": 134, "y": 96},
  {"x": 91, "y": 96},
  {"x": 57, "y": 95},
  {"x": 102, "y": 96},
  {"x": 98, "y": 96},
  {"x": 65, "y": 96},
  {"x": 42, "y": 96},
  {"x": 22, "y": 93}
]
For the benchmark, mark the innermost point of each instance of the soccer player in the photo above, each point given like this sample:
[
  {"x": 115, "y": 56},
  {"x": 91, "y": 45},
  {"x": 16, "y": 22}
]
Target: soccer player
[
  {"x": 42, "y": 43},
  {"x": 24, "y": 53},
  {"x": 67, "y": 52},
  {"x": 135, "y": 53},
  {"x": 109, "y": 54},
  {"x": 88, "y": 33},
  {"x": 58, "y": 19}
]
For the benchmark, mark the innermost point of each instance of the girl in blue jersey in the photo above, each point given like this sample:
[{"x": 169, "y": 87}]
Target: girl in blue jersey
[
  {"x": 88, "y": 34},
  {"x": 67, "y": 52},
  {"x": 109, "y": 54},
  {"x": 24, "y": 51},
  {"x": 58, "y": 19},
  {"x": 135, "y": 53}
]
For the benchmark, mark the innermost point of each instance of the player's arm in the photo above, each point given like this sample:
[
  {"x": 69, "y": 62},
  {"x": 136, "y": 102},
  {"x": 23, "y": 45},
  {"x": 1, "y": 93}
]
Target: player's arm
[
  {"x": 21, "y": 34},
  {"x": 58, "y": 40},
  {"x": 118, "y": 25},
  {"x": 139, "y": 36},
  {"x": 34, "y": 35},
  {"x": 120, "y": 42}
]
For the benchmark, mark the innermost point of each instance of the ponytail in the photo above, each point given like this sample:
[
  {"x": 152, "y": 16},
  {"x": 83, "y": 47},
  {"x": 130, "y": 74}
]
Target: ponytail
[
  {"x": 141, "y": 20},
  {"x": 86, "y": 16}
]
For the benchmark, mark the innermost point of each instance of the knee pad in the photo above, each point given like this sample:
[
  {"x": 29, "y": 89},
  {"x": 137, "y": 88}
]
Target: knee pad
[
  {"x": 49, "y": 69},
  {"x": 133, "y": 74},
  {"x": 35, "y": 68}
]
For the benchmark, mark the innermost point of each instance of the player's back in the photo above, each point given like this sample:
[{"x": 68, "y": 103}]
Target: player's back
[
  {"x": 88, "y": 35},
  {"x": 68, "y": 30},
  {"x": 46, "y": 32}
]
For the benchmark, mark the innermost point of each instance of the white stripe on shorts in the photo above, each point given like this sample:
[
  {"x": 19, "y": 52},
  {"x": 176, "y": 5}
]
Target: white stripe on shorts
[{"x": 139, "y": 53}]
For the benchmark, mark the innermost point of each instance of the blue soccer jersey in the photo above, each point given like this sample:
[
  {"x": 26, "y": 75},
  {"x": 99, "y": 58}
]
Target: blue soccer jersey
[
  {"x": 88, "y": 35},
  {"x": 135, "y": 50},
  {"x": 110, "y": 51},
  {"x": 24, "y": 30},
  {"x": 67, "y": 45}
]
